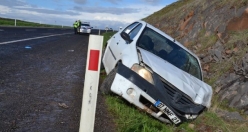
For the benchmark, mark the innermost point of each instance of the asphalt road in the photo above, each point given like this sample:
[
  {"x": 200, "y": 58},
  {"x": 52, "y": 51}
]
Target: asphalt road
[
  {"x": 41, "y": 81},
  {"x": 18, "y": 33}
]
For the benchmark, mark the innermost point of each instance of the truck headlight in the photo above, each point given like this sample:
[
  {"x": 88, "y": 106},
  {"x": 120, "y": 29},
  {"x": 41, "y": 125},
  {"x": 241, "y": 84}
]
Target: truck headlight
[{"x": 143, "y": 72}]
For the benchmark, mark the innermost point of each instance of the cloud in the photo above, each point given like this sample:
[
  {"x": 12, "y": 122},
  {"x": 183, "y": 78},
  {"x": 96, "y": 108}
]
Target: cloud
[
  {"x": 151, "y": 1},
  {"x": 11, "y": 3},
  {"x": 33, "y": 16},
  {"x": 111, "y": 24},
  {"x": 80, "y": 1},
  {"x": 113, "y": 1},
  {"x": 110, "y": 10},
  {"x": 4, "y": 9},
  {"x": 46, "y": 11}
]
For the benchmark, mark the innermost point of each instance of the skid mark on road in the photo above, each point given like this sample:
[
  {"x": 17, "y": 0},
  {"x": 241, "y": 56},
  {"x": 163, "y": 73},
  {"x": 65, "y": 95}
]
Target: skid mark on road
[{"x": 20, "y": 40}]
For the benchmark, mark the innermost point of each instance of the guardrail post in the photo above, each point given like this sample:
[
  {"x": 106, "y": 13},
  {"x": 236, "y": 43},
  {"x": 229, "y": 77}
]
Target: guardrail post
[{"x": 15, "y": 22}]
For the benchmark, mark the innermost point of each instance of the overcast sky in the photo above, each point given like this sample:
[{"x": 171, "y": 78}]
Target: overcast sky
[{"x": 100, "y": 13}]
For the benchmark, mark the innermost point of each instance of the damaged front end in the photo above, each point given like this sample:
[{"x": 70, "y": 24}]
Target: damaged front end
[{"x": 152, "y": 93}]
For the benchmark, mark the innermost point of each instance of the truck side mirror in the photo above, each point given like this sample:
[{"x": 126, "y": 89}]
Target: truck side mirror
[{"x": 126, "y": 37}]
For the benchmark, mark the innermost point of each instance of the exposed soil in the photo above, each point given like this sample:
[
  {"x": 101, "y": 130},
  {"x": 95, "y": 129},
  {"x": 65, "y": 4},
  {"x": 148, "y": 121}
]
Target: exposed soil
[
  {"x": 239, "y": 23},
  {"x": 41, "y": 86}
]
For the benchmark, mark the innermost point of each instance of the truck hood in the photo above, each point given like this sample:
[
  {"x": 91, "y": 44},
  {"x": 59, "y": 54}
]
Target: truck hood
[{"x": 199, "y": 91}]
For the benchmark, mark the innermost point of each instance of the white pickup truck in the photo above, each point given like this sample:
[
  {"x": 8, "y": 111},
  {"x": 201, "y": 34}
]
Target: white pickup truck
[{"x": 154, "y": 72}]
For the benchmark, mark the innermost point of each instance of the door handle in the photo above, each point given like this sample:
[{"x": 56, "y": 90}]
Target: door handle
[{"x": 117, "y": 43}]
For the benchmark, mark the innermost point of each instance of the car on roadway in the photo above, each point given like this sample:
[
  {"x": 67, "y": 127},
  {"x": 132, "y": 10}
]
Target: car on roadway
[
  {"x": 85, "y": 28},
  {"x": 156, "y": 73}
]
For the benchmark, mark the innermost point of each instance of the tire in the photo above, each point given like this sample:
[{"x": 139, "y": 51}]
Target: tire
[
  {"x": 102, "y": 66},
  {"x": 107, "y": 83}
]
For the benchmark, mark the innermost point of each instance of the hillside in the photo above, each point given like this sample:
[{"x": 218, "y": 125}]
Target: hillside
[{"x": 217, "y": 31}]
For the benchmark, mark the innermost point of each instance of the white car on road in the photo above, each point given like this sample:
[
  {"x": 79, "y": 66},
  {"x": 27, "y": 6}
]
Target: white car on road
[
  {"x": 85, "y": 28},
  {"x": 154, "y": 72}
]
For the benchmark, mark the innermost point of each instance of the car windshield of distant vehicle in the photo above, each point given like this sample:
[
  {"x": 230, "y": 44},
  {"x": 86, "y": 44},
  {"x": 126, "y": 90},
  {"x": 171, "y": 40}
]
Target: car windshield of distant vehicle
[
  {"x": 85, "y": 25},
  {"x": 169, "y": 51}
]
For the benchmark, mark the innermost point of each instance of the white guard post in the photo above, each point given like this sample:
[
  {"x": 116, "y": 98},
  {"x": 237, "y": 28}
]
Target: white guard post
[{"x": 92, "y": 72}]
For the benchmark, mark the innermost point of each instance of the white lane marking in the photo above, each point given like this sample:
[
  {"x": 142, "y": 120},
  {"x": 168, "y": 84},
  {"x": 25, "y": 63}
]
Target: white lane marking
[
  {"x": 1, "y": 30},
  {"x": 14, "y": 41}
]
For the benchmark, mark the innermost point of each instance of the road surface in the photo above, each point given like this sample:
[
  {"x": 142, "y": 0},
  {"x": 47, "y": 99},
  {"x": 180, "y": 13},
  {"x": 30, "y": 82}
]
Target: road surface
[{"x": 42, "y": 79}]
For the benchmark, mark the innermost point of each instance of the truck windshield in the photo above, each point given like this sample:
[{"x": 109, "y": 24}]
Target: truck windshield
[{"x": 166, "y": 49}]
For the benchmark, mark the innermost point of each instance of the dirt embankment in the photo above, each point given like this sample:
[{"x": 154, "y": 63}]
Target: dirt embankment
[{"x": 239, "y": 23}]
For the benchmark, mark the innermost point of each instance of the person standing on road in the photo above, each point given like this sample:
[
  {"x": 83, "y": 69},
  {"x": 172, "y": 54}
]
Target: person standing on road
[
  {"x": 79, "y": 26},
  {"x": 75, "y": 27}
]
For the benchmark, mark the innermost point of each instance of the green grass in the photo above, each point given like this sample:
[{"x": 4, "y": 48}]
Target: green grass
[
  {"x": 11, "y": 22},
  {"x": 107, "y": 36},
  {"x": 130, "y": 119},
  {"x": 233, "y": 3},
  {"x": 166, "y": 10},
  {"x": 211, "y": 120},
  {"x": 206, "y": 41},
  {"x": 237, "y": 36}
]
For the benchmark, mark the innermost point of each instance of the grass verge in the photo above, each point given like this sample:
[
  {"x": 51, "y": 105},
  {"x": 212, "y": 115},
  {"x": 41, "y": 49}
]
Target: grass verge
[
  {"x": 107, "y": 36},
  {"x": 11, "y": 22}
]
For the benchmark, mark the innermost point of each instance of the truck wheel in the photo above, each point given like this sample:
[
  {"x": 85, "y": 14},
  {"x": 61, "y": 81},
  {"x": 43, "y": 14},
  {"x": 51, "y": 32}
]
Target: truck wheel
[{"x": 106, "y": 84}]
